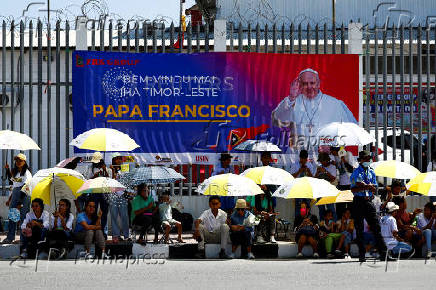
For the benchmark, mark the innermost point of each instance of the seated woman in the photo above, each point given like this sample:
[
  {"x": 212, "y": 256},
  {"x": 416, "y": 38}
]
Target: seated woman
[
  {"x": 61, "y": 225},
  {"x": 306, "y": 229},
  {"x": 262, "y": 207},
  {"x": 426, "y": 223},
  {"x": 88, "y": 228},
  {"x": 241, "y": 228},
  {"x": 406, "y": 230},
  {"x": 145, "y": 213},
  {"x": 34, "y": 228},
  {"x": 345, "y": 226}
]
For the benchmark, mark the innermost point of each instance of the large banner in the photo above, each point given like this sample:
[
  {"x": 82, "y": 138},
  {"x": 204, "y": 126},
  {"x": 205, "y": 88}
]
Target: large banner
[{"x": 186, "y": 108}]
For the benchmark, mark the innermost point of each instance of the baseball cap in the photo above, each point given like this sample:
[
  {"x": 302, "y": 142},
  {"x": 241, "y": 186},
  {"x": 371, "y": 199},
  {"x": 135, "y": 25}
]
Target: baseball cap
[
  {"x": 390, "y": 206},
  {"x": 21, "y": 156},
  {"x": 96, "y": 157}
]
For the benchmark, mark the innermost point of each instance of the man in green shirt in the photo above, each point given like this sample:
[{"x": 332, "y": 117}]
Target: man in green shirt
[{"x": 144, "y": 213}]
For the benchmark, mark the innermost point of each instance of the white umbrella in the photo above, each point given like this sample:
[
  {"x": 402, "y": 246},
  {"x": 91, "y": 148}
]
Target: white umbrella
[
  {"x": 394, "y": 169},
  {"x": 229, "y": 185},
  {"x": 12, "y": 140},
  {"x": 306, "y": 187},
  {"x": 267, "y": 175},
  {"x": 104, "y": 139},
  {"x": 101, "y": 185},
  {"x": 258, "y": 146},
  {"x": 343, "y": 134},
  {"x": 54, "y": 183}
]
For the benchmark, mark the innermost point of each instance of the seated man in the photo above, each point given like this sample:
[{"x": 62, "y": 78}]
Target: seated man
[
  {"x": 389, "y": 231},
  {"x": 262, "y": 207},
  {"x": 212, "y": 228},
  {"x": 306, "y": 230},
  {"x": 327, "y": 233},
  {"x": 426, "y": 223},
  {"x": 241, "y": 226},
  {"x": 166, "y": 218},
  {"x": 144, "y": 213},
  {"x": 345, "y": 226}
]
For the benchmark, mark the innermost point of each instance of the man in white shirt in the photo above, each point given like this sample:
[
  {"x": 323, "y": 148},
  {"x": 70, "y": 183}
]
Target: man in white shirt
[
  {"x": 212, "y": 227},
  {"x": 307, "y": 109},
  {"x": 345, "y": 162},
  {"x": 389, "y": 231}
]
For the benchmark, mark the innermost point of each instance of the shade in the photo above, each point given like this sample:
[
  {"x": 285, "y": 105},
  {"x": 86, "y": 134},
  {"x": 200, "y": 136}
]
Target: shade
[
  {"x": 423, "y": 183},
  {"x": 343, "y": 196},
  {"x": 267, "y": 175},
  {"x": 343, "y": 134},
  {"x": 258, "y": 146},
  {"x": 150, "y": 175},
  {"x": 104, "y": 139},
  {"x": 101, "y": 185},
  {"x": 394, "y": 169},
  {"x": 306, "y": 187},
  {"x": 54, "y": 182},
  {"x": 229, "y": 185},
  {"x": 16, "y": 141}
]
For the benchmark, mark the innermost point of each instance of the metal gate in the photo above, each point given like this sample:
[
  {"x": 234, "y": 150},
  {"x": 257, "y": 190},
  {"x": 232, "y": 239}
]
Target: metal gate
[{"x": 36, "y": 77}]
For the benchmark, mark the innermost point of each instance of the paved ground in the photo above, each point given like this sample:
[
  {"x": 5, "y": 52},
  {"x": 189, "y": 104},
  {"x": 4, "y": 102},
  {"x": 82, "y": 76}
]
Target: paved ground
[{"x": 213, "y": 274}]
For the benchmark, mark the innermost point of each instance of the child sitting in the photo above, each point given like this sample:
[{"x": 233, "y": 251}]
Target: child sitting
[{"x": 166, "y": 218}]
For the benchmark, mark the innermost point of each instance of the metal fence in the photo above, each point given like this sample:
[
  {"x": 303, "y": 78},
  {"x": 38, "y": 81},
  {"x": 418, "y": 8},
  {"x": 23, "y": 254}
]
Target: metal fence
[{"x": 36, "y": 78}]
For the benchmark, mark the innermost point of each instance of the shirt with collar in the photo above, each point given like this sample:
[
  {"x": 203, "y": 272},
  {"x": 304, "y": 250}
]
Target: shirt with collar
[
  {"x": 367, "y": 176},
  {"x": 213, "y": 223},
  {"x": 246, "y": 220},
  {"x": 68, "y": 223},
  {"x": 30, "y": 216},
  {"x": 297, "y": 165},
  {"x": 221, "y": 170}
]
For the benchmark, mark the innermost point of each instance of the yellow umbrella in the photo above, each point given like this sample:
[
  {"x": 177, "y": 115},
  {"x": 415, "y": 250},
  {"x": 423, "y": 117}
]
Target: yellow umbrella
[
  {"x": 229, "y": 185},
  {"x": 394, "y": 169},
  {"x": 54, "y": 182},
  {"x": 343, "y": 196},
  {"x": 104, "y": 139},
  {"x": 306, "y": 187},
  {"x": 267, "y": 175},
  {"x": 423, "y": 183}
]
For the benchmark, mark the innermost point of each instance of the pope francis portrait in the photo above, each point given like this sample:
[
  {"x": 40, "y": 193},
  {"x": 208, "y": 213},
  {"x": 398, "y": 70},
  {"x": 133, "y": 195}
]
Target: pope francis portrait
[{"x": 307, "y": 109}]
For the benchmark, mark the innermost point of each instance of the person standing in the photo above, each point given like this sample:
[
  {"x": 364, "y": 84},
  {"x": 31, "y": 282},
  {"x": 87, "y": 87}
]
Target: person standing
[
  {"x": 98, "y": 169},
  {"x": 17, "y": 199},
  {"x": 302, "y": 168},
  {"x": 118, "y": 204},
  {"x": 328, "y": 172},
  {"x": 345, "y": 163},
  {"x": 227, "y": 202},
  {"x": 364, "y": 186}
]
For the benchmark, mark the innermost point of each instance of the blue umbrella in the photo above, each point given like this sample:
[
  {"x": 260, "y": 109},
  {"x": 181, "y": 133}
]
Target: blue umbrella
[{"x": 150, "y": 175}]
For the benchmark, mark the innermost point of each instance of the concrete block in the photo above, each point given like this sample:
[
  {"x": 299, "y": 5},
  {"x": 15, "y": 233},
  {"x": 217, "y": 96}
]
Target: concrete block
[
  {"x": 212, "y": 251},
  {"x": 8, "y": 251},
  {"x": 157, "y": 251}
]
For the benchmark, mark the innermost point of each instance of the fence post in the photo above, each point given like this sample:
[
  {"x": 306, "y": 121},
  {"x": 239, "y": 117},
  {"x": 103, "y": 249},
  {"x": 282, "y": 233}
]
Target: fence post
[
  {"x": 81, "y": 34},
  {"x": 355, "y": 46},
  {"x": 219, "y": 35}
]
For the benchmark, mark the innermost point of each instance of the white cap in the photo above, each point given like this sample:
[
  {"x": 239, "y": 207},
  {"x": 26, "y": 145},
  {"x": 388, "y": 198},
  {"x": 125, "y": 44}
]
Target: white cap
[
  {"x": 390, "y": 206},
  {"x": 308, "y": 70}
]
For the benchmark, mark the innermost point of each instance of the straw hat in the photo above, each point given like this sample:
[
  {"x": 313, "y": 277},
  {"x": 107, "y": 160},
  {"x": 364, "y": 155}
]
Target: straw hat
[
  {"x": 96, "y": 157},
  {"x": 241, "y": 203},
  {"x": 21, "y": 156}
]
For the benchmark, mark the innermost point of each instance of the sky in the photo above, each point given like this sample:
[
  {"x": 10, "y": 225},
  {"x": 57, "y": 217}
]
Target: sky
[{"x": 126, "y": 9}]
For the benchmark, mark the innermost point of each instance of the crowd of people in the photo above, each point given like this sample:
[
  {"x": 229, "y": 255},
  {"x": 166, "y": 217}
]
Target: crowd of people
[{"x": 375, "y": 225}]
